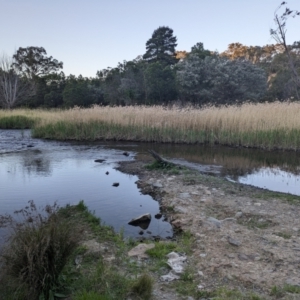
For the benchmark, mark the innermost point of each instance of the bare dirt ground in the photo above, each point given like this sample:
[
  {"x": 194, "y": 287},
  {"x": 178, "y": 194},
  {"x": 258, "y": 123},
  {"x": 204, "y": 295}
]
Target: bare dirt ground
[{"x": 243, "y": 237}]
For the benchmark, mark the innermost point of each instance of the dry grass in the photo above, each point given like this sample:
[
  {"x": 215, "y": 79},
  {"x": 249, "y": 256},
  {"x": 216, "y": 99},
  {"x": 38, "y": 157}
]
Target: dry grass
[
  {"x": 265, "y": 125},
  {"x": 248, "y": 117}
]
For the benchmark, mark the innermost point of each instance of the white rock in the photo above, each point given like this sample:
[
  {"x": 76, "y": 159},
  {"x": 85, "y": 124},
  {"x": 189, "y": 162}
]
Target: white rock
[
  {"x": 238, "y": 214},
  {"x": 176, "y": 262},
  {"x": 169, "y": 277},
  {"x": 157, "y": 185},
  {"x": 184, "y": 195}
]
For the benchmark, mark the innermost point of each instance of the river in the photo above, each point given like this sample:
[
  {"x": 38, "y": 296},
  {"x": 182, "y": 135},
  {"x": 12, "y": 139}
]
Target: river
[{"x": 46, "y": 171}]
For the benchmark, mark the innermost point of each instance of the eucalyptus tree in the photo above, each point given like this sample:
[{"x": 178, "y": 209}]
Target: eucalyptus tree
[
  {"x": 32, "y": 62},
  {"x": 219, "y": 80}
]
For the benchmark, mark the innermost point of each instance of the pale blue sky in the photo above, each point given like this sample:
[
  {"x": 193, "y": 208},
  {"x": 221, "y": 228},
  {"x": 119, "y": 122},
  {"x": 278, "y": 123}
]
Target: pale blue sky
[{"x": 93, "y": 34}]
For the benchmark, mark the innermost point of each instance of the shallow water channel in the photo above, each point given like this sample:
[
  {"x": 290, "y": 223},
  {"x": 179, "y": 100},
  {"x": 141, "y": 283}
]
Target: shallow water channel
[{"x": 66, "y": 172}]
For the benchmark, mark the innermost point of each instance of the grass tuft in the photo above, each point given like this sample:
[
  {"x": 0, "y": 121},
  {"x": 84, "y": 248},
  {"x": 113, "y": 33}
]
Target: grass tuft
[
  {"x": 142, "y": 287},
  {"x": 40, "y": 244}
]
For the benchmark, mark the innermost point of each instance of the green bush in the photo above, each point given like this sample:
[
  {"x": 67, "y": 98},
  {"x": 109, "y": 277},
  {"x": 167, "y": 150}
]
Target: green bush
[{"x": 36, "y": 252}]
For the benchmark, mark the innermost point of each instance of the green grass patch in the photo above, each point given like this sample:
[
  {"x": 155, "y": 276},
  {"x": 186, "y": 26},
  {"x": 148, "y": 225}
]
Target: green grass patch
[
  {"x": 98, "y": 279},
  {"x": 267, "y": 195},
  {"x": 168, "y": 168},
  {"x": 279, "y": 292},
  {"x": 255, "y": 221},
  {"x": 17, "y": 122},
  {"x": 284, "y": 235},
  {"x": 225, "y": 294},
  {"x": 161, "y": 249},
  {"x": 188, "y": 285},
  {"x": 158, "y": 254}
]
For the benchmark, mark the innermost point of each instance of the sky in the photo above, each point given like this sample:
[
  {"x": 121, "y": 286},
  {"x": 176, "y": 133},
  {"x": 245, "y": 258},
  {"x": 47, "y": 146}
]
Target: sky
[{"x": 91, "y": 35}]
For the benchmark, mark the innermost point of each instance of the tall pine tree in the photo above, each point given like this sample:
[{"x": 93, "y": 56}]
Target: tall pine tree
[{"x": 161, "y": 46}]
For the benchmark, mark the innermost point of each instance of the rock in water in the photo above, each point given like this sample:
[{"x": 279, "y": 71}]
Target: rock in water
[
  {"x": 143, "y": 221},
  {"x": 99, "y": 160},
  {"x": 158, "y": 216},
  {"x": 116, "y": 184}
]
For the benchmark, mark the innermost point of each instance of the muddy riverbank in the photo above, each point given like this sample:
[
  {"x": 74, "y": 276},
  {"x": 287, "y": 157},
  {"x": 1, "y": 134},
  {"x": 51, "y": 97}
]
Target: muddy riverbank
[{"x": 243, "y": 237}]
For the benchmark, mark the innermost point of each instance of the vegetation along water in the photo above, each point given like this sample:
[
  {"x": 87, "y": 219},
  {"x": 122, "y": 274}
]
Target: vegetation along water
[{"x": 265, "y": 125}]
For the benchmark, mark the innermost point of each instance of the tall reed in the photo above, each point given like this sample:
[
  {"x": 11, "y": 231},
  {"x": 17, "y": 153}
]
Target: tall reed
[{"x": 264, "y": 125}]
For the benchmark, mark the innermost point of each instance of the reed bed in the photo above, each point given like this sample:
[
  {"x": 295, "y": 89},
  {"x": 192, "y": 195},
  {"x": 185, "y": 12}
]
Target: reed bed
[{"x": 266, "y": 125}]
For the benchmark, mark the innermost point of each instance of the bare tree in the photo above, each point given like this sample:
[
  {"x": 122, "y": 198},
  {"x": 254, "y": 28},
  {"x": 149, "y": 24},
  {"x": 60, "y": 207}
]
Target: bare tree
[
  {"x": 13, "y": 88},
  {"x": 279, "y": 35}
]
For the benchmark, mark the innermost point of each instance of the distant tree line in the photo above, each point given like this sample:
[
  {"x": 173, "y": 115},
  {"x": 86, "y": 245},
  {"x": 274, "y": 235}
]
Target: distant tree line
[{"x": 161, "y": 76}]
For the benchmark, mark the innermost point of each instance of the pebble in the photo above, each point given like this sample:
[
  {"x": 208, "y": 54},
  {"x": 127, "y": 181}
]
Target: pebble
[
  {"x": 184, "y": 195},
  {"x": 257, "y": 204},
  {"x": 228, "y": 220},
  {"x": 203, "y": 254},
  {"x": 214, "y": 221},
  {"x": 242, "y": 256},
  {"x": 238, "y": 215},
  {"x": 233, "y": 241},
  {"x": 157, "y": 185}
]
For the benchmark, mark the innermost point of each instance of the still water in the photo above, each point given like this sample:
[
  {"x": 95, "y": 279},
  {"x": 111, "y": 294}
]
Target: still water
[
  {"x": 48, "y": 171},
  {"x": 66, "y": 172},
  {"x": 273, "y": 170}
]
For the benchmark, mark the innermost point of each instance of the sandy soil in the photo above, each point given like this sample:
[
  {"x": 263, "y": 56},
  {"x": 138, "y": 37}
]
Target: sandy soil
[{"x": 244, "y": 237}]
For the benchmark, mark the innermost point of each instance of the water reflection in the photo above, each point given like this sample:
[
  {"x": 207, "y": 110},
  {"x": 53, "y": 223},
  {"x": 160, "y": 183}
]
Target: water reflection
[
  {"x": 67, "y": 173},
  {"x": 273, "y": 179},
  {"x": 250, "y": 166}
]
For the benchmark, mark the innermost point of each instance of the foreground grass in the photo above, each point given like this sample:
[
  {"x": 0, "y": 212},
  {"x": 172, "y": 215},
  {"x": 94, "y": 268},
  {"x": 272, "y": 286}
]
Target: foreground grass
[
  {"x": 91, "y": 279},
  {"x": 95, "y": 278},
  {"x": 268, "y": 126}
]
